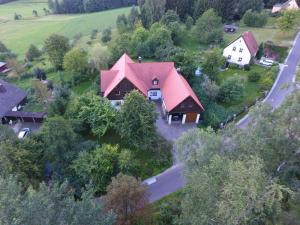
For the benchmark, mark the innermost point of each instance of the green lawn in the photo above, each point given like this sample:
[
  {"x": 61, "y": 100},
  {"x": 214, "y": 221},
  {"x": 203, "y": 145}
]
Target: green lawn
[
  {"x": 18, "y": 35},
  {"x": 268, "y": 33},
  {"x": 252, "y": 89}
]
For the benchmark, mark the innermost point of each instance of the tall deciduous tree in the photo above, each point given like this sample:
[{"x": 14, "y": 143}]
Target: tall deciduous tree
[
  {"x": 94, "y": 112},
  {"x": 287, "y": 21},
  {"x": 56, "y": 46},
  {"x": 126, "y": 197},
  {"x": 52, "y": 204},
  {"x": 212, "y": 63},
  {"x": 136, "y": 119},
  {"x": 76, "y": 61},
  {"x": 152, "y": 11},
  {"x": 209, "y": 28}
]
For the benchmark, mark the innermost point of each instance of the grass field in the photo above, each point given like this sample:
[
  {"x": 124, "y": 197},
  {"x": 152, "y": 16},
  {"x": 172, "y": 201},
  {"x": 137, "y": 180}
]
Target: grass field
[{"x": 18, "y": 35}]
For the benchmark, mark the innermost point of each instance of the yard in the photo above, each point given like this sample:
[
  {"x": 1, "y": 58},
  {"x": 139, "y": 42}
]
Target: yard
[
  {"x": 253, "y": 90},
  {"x": 18, "y": 35}
]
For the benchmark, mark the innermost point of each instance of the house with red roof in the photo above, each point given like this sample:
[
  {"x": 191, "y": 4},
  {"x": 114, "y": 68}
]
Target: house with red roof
[
  {"x": 242, "y": 50},
  {"x": 158, "y": 81}
]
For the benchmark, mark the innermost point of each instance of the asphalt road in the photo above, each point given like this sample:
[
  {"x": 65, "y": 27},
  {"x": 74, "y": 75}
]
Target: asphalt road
[
  {"x": 283, "y": 85},
  {"x": 172, "y": 179}
]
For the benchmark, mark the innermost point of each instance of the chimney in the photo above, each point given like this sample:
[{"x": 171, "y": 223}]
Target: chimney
[{"x": 140, "y": 59}]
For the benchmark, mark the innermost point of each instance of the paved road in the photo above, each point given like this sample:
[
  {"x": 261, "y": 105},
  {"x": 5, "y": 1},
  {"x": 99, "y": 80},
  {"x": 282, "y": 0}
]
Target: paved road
[
  {"x": 172, "y": 179},
  {"x": 283, "y": 85}
]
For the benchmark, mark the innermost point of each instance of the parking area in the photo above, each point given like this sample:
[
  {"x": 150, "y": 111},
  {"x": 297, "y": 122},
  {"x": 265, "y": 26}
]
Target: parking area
[{"x": 170, "y": 132}]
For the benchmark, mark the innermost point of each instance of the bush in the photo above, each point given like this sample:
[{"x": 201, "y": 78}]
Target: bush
[
  {"x": 106, "y": 35},
  {"x": 255, "y": 19},
  {"x": 27, "y": 75},
  {"x": 232, "y": 89},
  {"x": 39, "y": 74},
  {"x": 253, "y": 76},
  {"x": 266, "y": 83},
  {"x": 214, "y": 115},
  {"x": 32, "y": 53},
  {"x": 189, "y": 22}
]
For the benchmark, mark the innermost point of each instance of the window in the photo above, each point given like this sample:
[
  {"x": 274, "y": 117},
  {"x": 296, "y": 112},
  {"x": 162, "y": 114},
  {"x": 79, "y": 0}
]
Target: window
[
  {"x": 241, "y": 49},
  {"x": 240, "y": 59},
  {"x": 234, "y": 48},
  {"x": 118, "y": 92},
  {"x": 155, "y": 81},
  {"x": 229, "y": 57},
  {"x": 154, "y": 93}
]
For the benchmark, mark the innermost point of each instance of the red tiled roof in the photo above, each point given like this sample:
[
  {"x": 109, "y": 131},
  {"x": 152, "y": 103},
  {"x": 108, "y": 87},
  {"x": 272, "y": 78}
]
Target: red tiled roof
[
  {"x": 174, "y": 87},
  {"x": 250, "y": 42}
]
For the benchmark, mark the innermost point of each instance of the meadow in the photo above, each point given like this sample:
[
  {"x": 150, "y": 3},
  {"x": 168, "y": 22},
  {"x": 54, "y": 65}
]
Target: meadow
[{"x": 18, "y": 35}]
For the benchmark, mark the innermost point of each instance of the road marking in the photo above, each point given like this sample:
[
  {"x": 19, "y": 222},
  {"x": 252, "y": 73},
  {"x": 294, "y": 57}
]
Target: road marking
[{"x": 150, "y": 181}]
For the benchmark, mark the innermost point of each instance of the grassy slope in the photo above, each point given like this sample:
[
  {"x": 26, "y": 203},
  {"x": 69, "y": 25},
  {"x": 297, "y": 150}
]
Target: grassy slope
[{"x": 18, "y": 35}]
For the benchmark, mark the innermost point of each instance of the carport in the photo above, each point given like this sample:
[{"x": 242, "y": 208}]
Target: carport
[{"x": 31, "y": 117}]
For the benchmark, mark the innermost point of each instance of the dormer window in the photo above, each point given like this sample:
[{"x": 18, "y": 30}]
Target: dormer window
[{"x": 155, "y": 81}]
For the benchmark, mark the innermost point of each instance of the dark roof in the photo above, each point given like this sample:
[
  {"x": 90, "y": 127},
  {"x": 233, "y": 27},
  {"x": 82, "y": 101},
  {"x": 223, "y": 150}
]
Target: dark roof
[{"x": 10, "y": 96}]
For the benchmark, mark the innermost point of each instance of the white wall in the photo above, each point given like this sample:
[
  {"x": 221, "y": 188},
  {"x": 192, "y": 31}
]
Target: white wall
[
  {"x": 154, "y": 94},
  {"x": 235, "y": 55}
]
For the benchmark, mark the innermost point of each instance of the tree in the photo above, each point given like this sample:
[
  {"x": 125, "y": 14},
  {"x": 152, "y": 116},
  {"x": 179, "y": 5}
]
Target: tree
[
  {"x": 133, "y": 17},
  {"x": 139, "y": 36},
  {"x": 98, "y": 166},
  {"x": 119, "y": 45},
  {"x": 39, "y": 73},
  {"x": 254, "y": 19},
  {"x": 56, "y": 46},
  {"x": 33, "y": 53},
  {"x": 287, "y": 21},
  {"x": 152, "y": 11},
  {"x": 136, "y": 119},
  {"x": 127, "y": 163},
  {"x": 126, "y": 197},
  {"x": 232, "y": 89},
  {"x": 21, "y": 159},
  {"x": 213, "y": 61},
  {"x": 60, "y": 144},
  {"x": 189, "y": 22},
  {"x": 185, "y": 61},
  {"x": 49, "y": 204},
  {"x": 209, "y": 28},
  {"x": 94, "y": 112},
  {"x": 244, "y": 5},
  {"x": 122, "y": 23},
  {"x": 35, "y": 13},
  {"x": 182, "y": 7},
  {"x": 41, "y": 91},
  {"x": 76, "y": 61},
  {"x": 106, "y": 35},
  {"x": 99, "y": 57},
  {"x": 230, "y": 192},
  {"x": 169, "y": 17},
  {"x": 62, "y": 96}
]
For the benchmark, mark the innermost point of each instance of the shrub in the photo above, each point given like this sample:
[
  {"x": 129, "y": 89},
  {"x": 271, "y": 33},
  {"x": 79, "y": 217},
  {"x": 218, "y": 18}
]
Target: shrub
[
  {"x": 255, "y": 19},
  {"x": 266, "y": 83},
  {"x": 32, "y": 53},
  {"x": 232, "y": 89},
  {"x": 189, "y": 22},
  {"x": 27, "y": 75},
  {"x": 253, "y": 76},
  {"x": 39, "y": 74},
  {"x": 214, "y": 115},
  {"x": 106, "y": 35}
]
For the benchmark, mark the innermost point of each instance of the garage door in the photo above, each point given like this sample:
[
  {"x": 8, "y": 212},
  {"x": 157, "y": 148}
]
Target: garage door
[{"x": 191, "y": 117}]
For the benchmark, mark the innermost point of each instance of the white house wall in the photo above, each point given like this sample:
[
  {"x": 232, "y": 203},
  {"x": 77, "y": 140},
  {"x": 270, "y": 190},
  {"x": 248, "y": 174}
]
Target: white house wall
[
  {"x": 236, "y": 55},
  {"x": 154, "y": 94}
]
